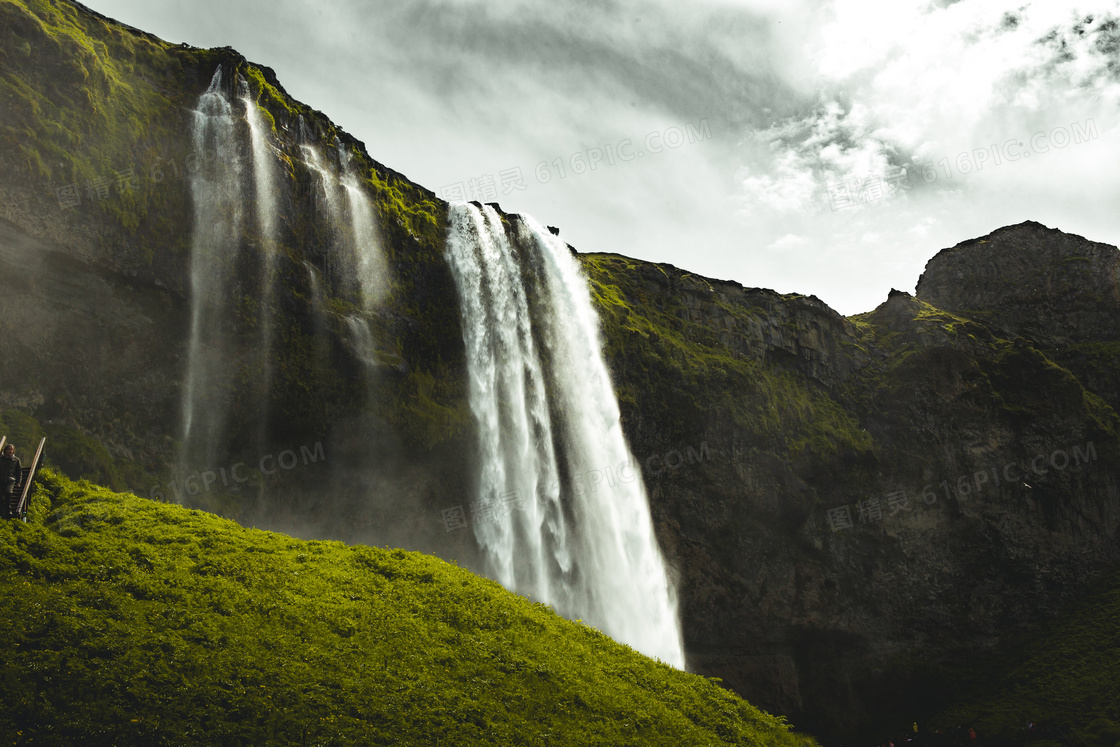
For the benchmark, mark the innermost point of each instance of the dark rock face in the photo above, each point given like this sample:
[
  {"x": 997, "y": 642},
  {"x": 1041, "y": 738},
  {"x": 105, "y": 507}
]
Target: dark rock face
[
  {"x": 1058, "y": 290},
  {"x": 1053, "y": 288},
  {"x": 84, "y": 344},
  {"x": 847, "y": 503},
  {"x": 981, "y": 477}
]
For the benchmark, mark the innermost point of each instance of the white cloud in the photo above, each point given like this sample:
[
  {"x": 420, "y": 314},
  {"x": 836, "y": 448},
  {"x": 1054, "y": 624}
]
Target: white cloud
[
  {"x": 799, "y": 96},
  {"x": 787, "y": 243}
]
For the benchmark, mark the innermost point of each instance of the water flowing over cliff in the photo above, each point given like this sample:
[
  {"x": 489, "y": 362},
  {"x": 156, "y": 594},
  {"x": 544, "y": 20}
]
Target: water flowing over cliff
[
  {"x": 264, "y": 189},
  {"x": 217, "y": 192},
  {"x": 547, "y": 419},
  {"x": 236, "y": 240}
]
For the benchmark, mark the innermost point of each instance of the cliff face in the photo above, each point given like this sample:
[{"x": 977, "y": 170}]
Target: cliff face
[
  {"x": 97, "y": 215},
  {"x": 843, "y": 500},
  {"x": 884, "y": 495},
  {"x": 1057, "y": 290}
]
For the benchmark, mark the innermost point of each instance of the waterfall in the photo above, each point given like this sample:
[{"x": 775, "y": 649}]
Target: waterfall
[
  {"x": 547, "y": 418},
  {"x": 235, "y": 262},
  {"x": 363, "y": 341},
  {"x": 264, "y": 182},
  {"x": 215, "y": 246},
  {"x": 264, "y": 178},
  {"x": 358, "y": 247},
  {"x": 332, "y": 200},
  {"x": 314, "y": 160},
  {"x": 369, "y": 259},
  {"x": 318, "y": 301}
]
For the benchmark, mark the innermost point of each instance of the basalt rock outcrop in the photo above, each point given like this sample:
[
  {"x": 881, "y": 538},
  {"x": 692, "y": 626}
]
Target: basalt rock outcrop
[{"x": 850, "y": 506}]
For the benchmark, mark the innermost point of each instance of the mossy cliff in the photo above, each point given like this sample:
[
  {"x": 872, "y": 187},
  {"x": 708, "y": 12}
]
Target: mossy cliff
[
  {"x": 96, "y": 162},
  {"x": 1063, "y": 676},
  {"x": 981, "y": 476},
  {"x": 843, "y": 500}
]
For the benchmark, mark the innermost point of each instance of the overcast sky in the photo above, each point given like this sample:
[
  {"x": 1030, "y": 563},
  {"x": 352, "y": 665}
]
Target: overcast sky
[{"x": 794, "y": 121}]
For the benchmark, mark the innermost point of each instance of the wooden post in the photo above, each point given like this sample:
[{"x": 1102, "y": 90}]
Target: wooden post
[{"x": 21, "y": 507}]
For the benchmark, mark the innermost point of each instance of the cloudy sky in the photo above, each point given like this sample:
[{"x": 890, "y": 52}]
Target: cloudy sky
[{"x": 826, "y": 147}]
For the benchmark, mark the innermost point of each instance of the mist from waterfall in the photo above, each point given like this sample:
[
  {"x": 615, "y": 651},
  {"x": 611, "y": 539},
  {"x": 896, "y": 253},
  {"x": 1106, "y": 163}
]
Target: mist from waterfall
[
  {"x": 547, "y": 415},
  {"x": 216, "y": 191}
]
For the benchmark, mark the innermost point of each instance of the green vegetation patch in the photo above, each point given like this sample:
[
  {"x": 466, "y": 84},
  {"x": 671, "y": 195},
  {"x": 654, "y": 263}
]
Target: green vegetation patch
[
  {"x": 136, "y": 622},
  {"x": 88, "y": 107}
]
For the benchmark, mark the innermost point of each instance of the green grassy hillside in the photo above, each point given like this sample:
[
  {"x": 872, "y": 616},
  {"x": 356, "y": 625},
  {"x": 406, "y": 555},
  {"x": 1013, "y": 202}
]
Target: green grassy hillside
[{"x": 132, "y": 622}]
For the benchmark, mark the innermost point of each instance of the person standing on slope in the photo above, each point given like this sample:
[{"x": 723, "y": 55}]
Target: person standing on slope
[{"x": 10, "y": 472}]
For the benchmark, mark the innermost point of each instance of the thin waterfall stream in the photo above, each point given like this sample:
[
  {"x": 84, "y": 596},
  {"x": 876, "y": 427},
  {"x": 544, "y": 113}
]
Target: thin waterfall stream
[{"x": 217, "y": 193}]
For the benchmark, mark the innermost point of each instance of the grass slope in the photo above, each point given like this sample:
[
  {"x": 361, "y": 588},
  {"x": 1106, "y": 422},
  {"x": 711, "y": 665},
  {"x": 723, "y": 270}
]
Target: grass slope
[{"x": 135, "y": 622}]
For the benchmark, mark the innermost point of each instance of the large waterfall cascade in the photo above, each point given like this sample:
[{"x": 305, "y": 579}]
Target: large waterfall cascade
[{"x": 546, "y": 414}]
